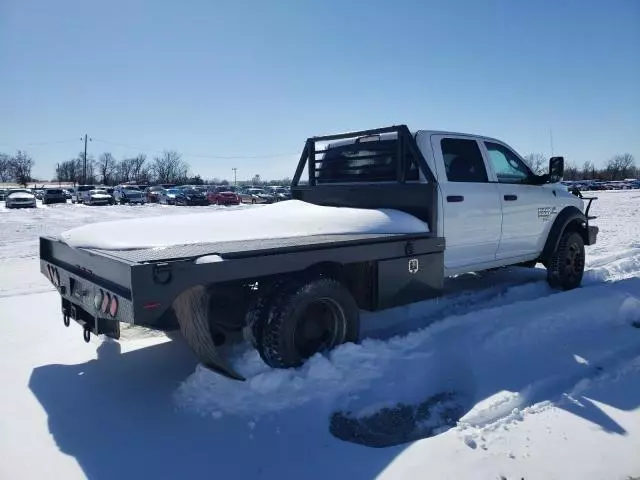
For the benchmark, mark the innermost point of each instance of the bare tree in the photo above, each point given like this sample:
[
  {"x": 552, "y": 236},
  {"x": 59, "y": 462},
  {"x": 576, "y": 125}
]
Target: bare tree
[
  {"x": 20, "y": 166},
  {"x": 106, "y": 167},
  {"x": 138, "y": 167},
  {"x": 571, "y": 171},
  {"x": 588, "y": 170},
  {"x": 5, "y": 167},
  {"x": 169, "y": 167},
  {"x": 537, "y": 162},
  {"x": 621, "y": 166}
]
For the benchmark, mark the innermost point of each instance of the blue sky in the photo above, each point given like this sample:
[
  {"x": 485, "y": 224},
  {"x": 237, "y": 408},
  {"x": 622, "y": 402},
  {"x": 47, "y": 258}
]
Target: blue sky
[{"x": 245, "y": 78}]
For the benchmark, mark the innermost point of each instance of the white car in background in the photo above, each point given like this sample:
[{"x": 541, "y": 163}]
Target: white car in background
[
  {"x": 98, "y": 196},
  {"x": 20, "y": 198}
]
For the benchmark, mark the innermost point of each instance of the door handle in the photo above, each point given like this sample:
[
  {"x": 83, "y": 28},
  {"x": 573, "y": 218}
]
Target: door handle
[
  {"x": 510, "y": 198},
  {"x": 455, "y": 198}
]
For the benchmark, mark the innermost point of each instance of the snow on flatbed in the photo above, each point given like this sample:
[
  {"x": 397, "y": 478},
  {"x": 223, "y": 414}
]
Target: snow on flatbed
[
  {"x": 547, "y": 383},
  {"x": 293, "y": 218}
]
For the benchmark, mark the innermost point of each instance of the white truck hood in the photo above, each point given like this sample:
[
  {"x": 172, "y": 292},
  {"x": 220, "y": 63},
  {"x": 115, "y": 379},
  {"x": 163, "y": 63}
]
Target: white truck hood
[{"x": 280, "y": 220}]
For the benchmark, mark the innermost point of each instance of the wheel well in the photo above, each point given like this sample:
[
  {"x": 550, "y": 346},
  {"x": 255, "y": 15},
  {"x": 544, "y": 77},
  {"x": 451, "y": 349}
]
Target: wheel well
[
  {"x": 357, "y": 277},
  {"x": 579, "y": 226},
  {"x": 569, "y": 219}
]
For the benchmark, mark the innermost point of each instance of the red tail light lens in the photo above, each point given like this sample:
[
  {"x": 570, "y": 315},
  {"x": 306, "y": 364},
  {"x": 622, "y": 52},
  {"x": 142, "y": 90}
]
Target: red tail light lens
[
  {"x": 113, "y": 306},
  {"x": 105, "y": 303}
]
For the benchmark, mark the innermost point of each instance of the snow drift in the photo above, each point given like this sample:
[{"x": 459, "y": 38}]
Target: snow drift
[{"x": 280, "y": 220}]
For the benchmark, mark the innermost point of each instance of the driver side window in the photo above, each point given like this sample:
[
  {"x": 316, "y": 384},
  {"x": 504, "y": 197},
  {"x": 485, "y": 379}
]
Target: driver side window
[{"x": 508, "y": 167}]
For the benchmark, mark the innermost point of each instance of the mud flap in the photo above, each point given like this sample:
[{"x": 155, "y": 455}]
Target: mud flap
[{"x": 192, "y": 312}]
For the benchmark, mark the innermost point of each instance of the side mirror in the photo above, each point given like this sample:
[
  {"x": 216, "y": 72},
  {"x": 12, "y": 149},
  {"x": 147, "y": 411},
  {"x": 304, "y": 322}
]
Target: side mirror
[{"x": 556, "y": 169}]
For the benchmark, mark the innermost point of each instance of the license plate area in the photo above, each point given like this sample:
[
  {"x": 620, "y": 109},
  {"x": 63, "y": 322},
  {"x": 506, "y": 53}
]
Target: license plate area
[{"x": 89, "y": 322}]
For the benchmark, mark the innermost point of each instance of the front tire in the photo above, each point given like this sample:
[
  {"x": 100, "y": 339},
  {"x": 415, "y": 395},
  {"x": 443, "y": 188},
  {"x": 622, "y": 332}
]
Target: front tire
[
  {"x": 307, "y": 318},
  {"x": 566, "y": 266}
]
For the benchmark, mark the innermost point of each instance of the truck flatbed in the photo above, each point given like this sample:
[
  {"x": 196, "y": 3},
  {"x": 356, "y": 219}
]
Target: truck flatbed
[{"x": 250, "y": 248}]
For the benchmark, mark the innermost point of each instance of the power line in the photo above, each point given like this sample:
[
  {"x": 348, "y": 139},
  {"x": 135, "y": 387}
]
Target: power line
[
  {"x": 236, "y": 156},
  {"x": 38, "y": 144}
]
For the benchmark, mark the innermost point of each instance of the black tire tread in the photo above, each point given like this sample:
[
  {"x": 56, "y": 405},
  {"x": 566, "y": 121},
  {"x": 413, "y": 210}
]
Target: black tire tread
[
  {"x": 271, "y": 347},
  {"x": 555, "y": 276}
]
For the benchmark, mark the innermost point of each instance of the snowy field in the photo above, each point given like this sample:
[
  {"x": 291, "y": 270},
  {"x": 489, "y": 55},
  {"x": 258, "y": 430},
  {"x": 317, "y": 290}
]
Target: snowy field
[{"x": 503, "y": 377}]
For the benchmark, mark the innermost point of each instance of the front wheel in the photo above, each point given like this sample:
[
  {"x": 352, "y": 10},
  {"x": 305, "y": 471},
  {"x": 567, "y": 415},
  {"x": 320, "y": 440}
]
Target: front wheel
[
  {"x": 566, "y": 266},
  {"x": 309, "y": 317}
]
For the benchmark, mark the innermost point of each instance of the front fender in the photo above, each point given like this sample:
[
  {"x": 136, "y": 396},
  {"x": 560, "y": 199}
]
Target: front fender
[{"x": 569, "y": 219}]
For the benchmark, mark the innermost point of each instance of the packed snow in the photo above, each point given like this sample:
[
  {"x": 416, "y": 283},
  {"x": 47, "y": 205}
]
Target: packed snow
[
  {"x": 293, "y": 218},
  {"x": 502, "y": 377}
]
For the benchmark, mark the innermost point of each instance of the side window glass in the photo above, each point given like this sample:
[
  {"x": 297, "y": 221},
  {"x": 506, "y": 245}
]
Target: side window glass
[
  {"x": 508, "y": 167},
  {"x": 463, "y": 161}
]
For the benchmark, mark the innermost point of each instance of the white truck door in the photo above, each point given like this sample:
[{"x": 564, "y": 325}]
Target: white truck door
[
  {"x": 471, "y": 208},
  {"x": 527, "y": 210}
]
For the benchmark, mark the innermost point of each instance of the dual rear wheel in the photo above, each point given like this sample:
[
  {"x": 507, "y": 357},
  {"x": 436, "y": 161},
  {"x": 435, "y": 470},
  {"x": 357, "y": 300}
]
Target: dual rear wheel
[{"x": 287, "y": 321}]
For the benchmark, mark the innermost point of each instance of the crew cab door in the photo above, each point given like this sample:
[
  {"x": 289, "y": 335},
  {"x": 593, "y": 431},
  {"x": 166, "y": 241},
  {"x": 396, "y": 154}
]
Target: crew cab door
[
  {"x": 527, "y": 210},
  {"x": 471, "y": 209}
]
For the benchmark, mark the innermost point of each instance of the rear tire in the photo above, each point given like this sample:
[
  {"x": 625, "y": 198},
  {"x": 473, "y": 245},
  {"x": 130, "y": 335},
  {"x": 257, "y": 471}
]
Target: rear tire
[
  {"x": 307, "y": 318},
  {"x": 566, "y": 265}
]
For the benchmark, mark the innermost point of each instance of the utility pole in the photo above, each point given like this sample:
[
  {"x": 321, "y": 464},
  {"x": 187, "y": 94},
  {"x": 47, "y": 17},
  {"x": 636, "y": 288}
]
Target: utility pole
[
  {"x": 551, "y": 140},
  {"x": 84, "y": 168},
  {"x": 235, "y": 176}
]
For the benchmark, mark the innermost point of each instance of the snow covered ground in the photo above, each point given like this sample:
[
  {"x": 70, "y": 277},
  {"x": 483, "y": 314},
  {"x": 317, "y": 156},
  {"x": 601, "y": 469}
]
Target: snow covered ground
[{"x": 538, "y": 384}]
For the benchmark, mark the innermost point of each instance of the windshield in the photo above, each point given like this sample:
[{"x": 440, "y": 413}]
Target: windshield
[
  {"x": 11, "y": 192},
  {"x": 132, "y": 190},
  {"x": 98, "y": 191},
  {"x": 190, "y": 191},
  {"x": 173, "y": 191}
]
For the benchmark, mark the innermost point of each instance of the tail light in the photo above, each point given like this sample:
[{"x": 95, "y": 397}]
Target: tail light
[
  {"x": 97, "y": 299},
  {"x": 106, "y": 300},
  {"x": 113, "y": 306}
]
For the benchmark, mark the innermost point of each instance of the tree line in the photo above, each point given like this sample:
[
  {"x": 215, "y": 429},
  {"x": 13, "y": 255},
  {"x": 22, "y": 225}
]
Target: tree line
[
  {"x": 618, "y": 167},
  {"x": 169, "y": 167},
  {"x": 16, "y": 168},
  {"x": 106, "y": 170}
]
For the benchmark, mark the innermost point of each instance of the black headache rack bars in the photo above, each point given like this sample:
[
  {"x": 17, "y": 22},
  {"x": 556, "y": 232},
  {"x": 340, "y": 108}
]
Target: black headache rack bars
[
  {"x": 405, "y": 154},
  {"x": 379, "y": 174}
]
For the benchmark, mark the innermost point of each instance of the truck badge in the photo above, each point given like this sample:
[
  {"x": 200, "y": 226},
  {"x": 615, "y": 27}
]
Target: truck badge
[
  {"x": 414, "y": 266},
  {"x": 546, "y": 212}
]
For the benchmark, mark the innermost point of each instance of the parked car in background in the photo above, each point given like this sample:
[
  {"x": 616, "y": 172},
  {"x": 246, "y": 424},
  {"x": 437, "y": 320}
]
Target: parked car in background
[
  {"x": 79, "y": 193},
  {"x": 168, "y": 196},
  {"x": 98, "y": 196},
  {"x": 128, "y": 194},
  {"x": 3, "y": 193},
  {"x": 256, "y": 195},
  {"x": 38, "y": 192},
  {"x": 53, "y": 195},
  {"x": 110, "y": 192},
  {"x": 191, "y": 196},
  {"x": 223, "y": 195},
  {"x": 153, "y": 193},
  {"x": 280, "y": 193},
  {"x": 20, "y": 198}
]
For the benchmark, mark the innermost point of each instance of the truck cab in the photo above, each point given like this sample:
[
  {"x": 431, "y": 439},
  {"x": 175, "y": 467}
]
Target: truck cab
[
  {"x": 494, "y": 209},
  {"x": 484, "y": 200}
]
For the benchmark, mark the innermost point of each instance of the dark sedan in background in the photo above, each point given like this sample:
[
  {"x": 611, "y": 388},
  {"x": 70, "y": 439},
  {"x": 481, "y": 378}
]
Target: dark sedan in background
[
  {"x": 53, "y": 195},
  {"x": 191, "y": 196}
]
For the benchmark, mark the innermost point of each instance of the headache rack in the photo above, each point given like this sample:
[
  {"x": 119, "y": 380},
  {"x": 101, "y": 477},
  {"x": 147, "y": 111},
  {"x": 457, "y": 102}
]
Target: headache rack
[
  {"x": 388, "y": 154},
  {"x": 377, "y": 168}
]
